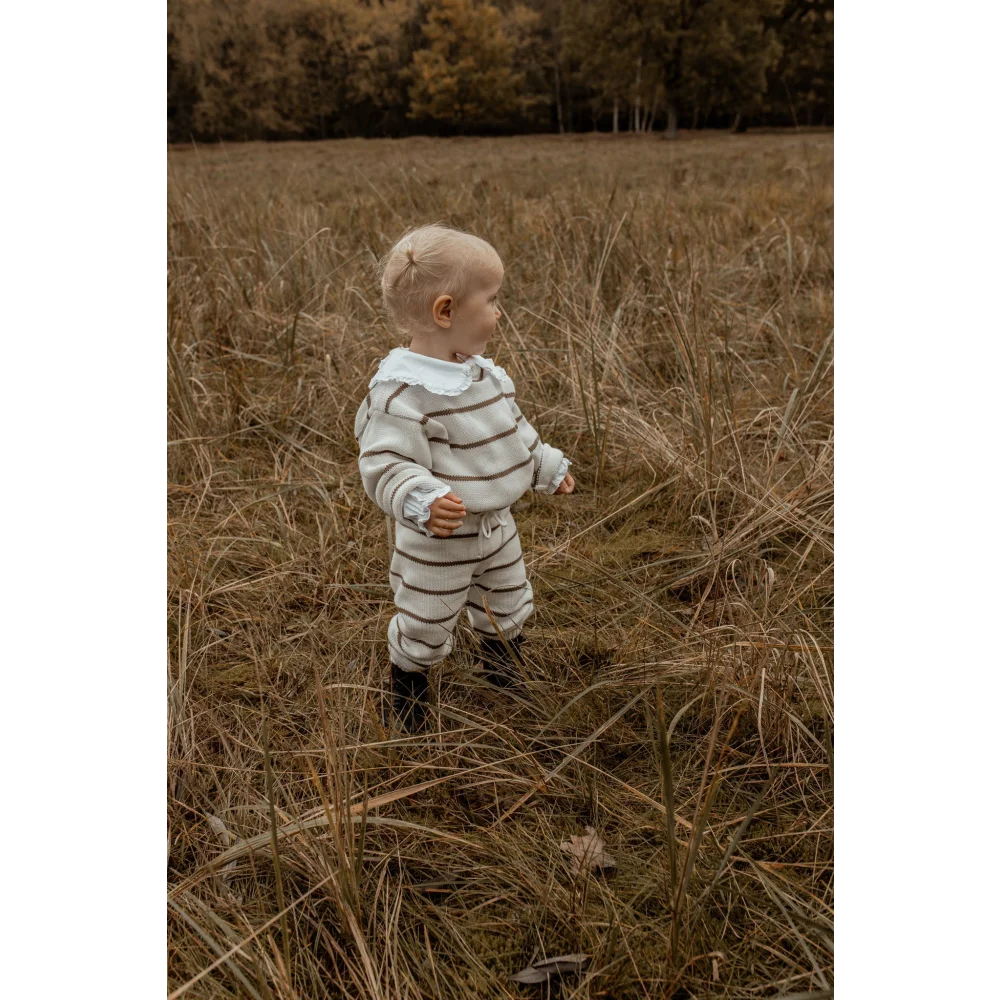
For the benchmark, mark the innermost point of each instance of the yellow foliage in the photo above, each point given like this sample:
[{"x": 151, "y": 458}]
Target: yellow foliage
[{"x": 466, "y": 76}]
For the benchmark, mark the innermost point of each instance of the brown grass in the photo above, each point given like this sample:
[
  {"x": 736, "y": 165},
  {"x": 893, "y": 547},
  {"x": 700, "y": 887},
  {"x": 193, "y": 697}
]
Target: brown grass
[{"x": 668, "y": 318}]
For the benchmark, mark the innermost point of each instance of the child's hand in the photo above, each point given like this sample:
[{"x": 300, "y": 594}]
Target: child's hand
[
  {"x": 446, "y": 515},
  {"x": 567, "y": 485}
]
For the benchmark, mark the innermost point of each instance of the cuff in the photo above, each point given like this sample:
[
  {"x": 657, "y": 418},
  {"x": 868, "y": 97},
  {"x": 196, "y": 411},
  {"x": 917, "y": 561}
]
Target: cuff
[
  {"x": 560, "y": 475},
  {"x": 409, "y": 485},
  {"x": 550, "y": 462},
  {"x": 417, "y": 504}
]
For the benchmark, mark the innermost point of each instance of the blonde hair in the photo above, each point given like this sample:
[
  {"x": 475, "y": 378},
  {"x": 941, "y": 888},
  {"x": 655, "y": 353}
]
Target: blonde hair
[{"x": 427, "y": 262}]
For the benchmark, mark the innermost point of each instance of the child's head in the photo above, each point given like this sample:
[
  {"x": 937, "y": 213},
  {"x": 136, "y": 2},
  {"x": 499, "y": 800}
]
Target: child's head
[{"x": 440, "y": 283}]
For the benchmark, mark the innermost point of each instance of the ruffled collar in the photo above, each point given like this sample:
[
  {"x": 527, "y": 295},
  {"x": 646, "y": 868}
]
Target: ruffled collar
[{"x": 443, "y": 378}]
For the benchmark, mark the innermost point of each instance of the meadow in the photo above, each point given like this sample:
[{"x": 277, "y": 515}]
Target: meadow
[{"x": 667, "y": 320}]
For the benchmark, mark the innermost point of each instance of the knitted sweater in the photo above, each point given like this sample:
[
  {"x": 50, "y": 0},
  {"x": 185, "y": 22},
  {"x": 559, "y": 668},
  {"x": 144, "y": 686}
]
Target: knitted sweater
[{"x": 447, "y": 426}]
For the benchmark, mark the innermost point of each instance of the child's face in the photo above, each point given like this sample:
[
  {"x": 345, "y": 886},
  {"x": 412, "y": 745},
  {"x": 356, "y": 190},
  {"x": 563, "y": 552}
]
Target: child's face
[{"x": 475, "y": 317}]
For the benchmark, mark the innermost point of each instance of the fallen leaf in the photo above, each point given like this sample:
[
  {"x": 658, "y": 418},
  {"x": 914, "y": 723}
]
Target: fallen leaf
[
  {"x": 587, "y": 852},
  {"x": 540, "y": 971}
]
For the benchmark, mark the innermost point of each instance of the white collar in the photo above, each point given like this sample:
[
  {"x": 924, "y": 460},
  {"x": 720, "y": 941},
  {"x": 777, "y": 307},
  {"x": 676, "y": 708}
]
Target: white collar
[{"x": 443, "y": 378}]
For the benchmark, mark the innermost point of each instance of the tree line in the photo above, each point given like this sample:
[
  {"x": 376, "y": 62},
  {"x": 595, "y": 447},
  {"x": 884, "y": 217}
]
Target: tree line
[{"x": 315, "y": 69}]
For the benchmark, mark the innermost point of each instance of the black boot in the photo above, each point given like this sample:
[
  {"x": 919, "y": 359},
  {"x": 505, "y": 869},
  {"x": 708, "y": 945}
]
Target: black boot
[
  {"x": 409, "y": 697},
  {"x": 500, "y": 670}
]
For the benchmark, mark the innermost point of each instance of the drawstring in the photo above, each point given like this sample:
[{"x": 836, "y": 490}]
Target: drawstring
[
  {"x": 486, "y": 528},
  {"x": 487, "y": 522}
]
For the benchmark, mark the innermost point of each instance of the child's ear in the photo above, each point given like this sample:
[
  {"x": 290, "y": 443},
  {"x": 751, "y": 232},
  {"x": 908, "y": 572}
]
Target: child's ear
[{"x": 441, "y": 310}]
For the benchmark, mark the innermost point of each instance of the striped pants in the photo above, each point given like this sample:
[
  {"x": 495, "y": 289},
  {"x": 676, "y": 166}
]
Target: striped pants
[{"x": 435, "y": 579}]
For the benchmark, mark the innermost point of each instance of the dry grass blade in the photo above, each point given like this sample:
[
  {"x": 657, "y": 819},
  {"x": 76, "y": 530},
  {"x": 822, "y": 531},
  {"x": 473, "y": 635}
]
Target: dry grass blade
[
  {"x": 237, "y": 948},
  {"x": 313, "y": 821},
  {"x": 814, "y": 995},
  {"x": 273, "y": 837},
  {"x": 568, "y": 758},
  {"x": 219, "y": 828},
  {"x": 776, "y": 897},
  {"x": 667, "y": 779},
  {"x": 511, "y": 652},
  {"x": 541, "y": 972},
  {"x": 740, "y": 830},
  {"x": 224, "y": 958},
  {"x": 673, "y": 335}
]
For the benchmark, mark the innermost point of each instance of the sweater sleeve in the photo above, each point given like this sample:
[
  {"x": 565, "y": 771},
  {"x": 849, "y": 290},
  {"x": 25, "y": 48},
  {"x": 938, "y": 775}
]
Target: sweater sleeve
[
  {"x": 547, "y": 459},
  {"x": 560, "y": 475},
  {"x": 394, "y": 454}
]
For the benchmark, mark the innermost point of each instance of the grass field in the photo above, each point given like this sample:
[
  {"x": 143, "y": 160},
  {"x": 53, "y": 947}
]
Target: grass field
[{"x": 668, "y": 323}]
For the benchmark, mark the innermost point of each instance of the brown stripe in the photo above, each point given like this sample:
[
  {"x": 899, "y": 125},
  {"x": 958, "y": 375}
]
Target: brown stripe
[
  {"x": 368, "y": 399},
  {"x": 409, "y": 656},
  {"x": 388, "y": 451},
  {"x": 413, "y": 638},
  {"x": 457, "y": 562},
  {"x": 534, "y": 444},
  {"x": 382, "y": 482},
  {"x": 405, "y": 385},
  {"x": 416, "y": 475},
  {"x": 509, "y": 395},
  {"x": 501, "y": 614},
  {"x": 428, "y": 621},
  {"x": 483, "y": 631},
  {"x": 479, "y": 576},
  {"x": 501, "y": 590},
  {"x": 478, "y": 444},
  {"x": 480, "y": 479},
  {"x": 500, "y": 548},
  {"x": 463, "y": 409},
  {"x": 520, "y": 416},
  {"x": 440, "y": 538},
  {"x": 368, "y": 417},
  {"x": 428, "y": 562},
  {"x": 423, "y": 590}
]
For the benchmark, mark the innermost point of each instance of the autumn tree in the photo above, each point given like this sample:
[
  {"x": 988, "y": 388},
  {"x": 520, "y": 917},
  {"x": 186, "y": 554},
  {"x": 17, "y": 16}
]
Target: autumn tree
[
  {"x": 380, "y": 42},
  {"x": 464, "y": 76},
  {"x": 801, "y": 83},
  {"x": 717, "y": 52},
  {"x": 266, "y": 69},
  {"x": 260, "y": 68},
  {"x": 732, "y": 50},
  {"x": 609, "y": 48},
  {"x": 325, "y": 35},
  {"x": 245, "y": 66}
]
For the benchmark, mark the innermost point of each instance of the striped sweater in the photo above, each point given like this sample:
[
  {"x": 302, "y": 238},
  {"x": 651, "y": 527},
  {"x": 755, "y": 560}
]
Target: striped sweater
[{"x": 475, "y": 441}]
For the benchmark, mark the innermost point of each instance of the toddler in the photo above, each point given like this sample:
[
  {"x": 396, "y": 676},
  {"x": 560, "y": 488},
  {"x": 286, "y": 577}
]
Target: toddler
[{"x": 445, "y": 451}]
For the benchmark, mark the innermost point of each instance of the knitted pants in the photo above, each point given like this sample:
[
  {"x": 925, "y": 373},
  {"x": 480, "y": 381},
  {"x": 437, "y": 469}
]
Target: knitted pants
[{"x": 435, "y": 579}]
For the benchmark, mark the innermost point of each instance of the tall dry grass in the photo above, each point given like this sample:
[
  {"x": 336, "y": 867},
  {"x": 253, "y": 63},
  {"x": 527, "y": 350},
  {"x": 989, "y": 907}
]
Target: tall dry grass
[{"x": 667, "y": 321}]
